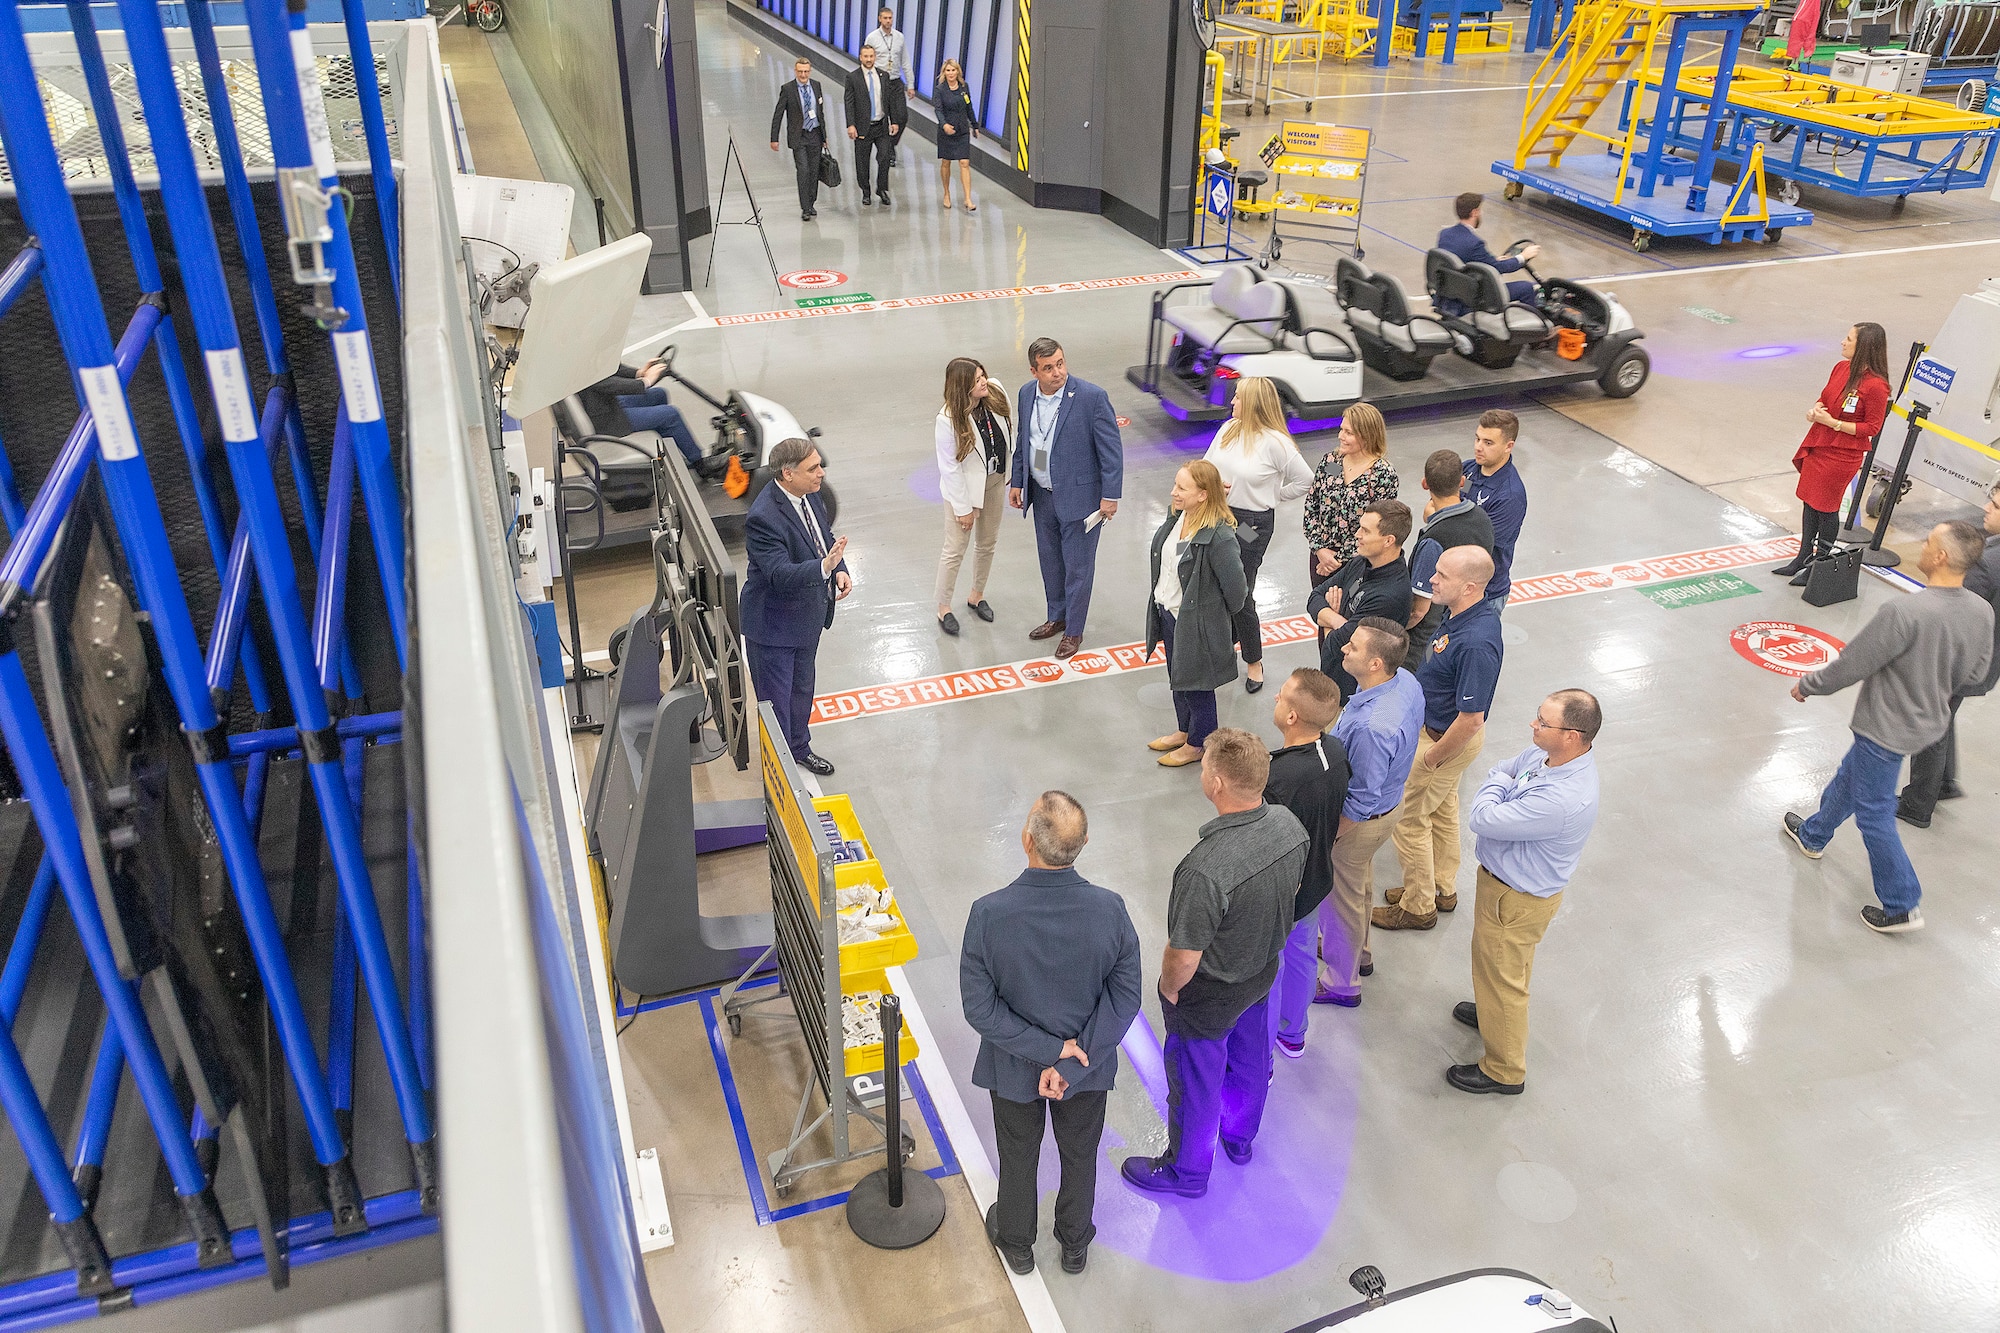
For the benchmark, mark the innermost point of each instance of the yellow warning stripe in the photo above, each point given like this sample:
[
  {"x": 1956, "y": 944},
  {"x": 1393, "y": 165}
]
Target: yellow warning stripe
[
  {"x": 1949, "y": 434},
  {"x": 1021, "y": 92}
]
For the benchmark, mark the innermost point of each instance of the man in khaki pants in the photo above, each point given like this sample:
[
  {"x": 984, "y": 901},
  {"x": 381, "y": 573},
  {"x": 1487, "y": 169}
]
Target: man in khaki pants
[
  {"x": 1531, "y": 817},
  {"x": 1458, "y": 676}
]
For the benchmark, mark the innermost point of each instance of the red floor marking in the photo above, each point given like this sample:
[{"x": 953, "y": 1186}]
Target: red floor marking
[
  {"x": 1093, "y": 663},
  {"x": 957, "y": 298},
  {"x": 1786, "y": 648}
]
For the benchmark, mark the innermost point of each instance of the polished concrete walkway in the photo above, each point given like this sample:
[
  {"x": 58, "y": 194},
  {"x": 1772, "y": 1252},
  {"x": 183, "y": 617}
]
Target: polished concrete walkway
[{"x": 1744, "y": 1111}]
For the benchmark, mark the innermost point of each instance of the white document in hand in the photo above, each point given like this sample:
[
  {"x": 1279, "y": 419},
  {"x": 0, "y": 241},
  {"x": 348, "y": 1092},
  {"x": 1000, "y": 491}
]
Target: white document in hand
[{"x": 1093, "y": 520}]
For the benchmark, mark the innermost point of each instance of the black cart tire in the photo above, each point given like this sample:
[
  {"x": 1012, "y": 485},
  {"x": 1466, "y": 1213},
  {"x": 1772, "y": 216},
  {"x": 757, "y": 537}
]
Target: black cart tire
[
  {"x": 736, "y": 1025},
  {"x": 489, "y": 17},
  {"x": 1642, "y": 241},
  {"x": 1627, "y": 373},
  {"x": 1512, "y": 190},
  {"x": 1771, "y": 235},
  {"x": 617, "y": 645},
  {"x": 1360, "y": 254}
]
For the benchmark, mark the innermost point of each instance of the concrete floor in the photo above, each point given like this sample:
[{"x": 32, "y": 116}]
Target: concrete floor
[{"x": 1745, "y": 1110}]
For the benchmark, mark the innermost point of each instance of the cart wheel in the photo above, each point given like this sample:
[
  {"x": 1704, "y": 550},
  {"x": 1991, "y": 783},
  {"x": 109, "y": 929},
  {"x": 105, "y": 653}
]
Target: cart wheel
[
  {"x": 1771, "y": 235},
  {"x": 909, "y": 1146},
  {"x": 736, "y": 1025},
  {"x": 1626, "y": 373},
  {"x": 617, "y": 645},
  {"x": 1512, "y": 190},
  {"x": 1896, "y": 206},
  {"x": 1788, "y": 192},
  {"x": 489, "y": 15},
  {"x": 1642, "y": 241},
  {"x": 782, "y": 1191},
  {"x": 1359, "y": 253},
  {"x": 1277, "y": 247}
]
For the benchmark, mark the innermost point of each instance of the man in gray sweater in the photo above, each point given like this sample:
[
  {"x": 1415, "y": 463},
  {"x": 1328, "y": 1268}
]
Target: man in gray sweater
[{"x": 1909, "y": 661}]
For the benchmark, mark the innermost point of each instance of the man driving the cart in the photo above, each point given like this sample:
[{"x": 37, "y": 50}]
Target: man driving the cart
[{"x": 1463, "y": 240}]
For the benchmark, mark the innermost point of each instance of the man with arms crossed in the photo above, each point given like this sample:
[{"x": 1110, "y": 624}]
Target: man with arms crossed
[{"x": 1049, "y": 954}]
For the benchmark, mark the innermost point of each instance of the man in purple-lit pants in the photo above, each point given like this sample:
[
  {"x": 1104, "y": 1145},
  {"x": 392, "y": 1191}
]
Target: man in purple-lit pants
[
  {"x": 1309, "y": 778},
  {"x": 1227, "y": 921}
]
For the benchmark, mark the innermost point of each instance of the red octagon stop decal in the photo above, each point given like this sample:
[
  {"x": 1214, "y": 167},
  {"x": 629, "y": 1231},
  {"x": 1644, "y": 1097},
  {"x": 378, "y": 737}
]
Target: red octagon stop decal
[
  {"x": 813, "y": 277},
  {"x": 1783, "y": 647}
]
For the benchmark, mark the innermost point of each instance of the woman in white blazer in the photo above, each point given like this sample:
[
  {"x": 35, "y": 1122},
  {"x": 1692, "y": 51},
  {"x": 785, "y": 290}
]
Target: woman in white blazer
[
  {"x": 974, "y": 437},
  {"x": 1261, "y": 468}
]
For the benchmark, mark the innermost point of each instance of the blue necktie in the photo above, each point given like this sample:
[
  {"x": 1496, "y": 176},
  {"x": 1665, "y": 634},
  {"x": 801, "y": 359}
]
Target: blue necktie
[{"x": 812, "y": 112}]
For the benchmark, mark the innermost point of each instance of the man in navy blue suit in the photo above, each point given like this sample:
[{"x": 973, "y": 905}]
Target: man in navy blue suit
[
  {"x": 797, "y": 573},
  {"x": 1069, "y": 474},
  {"x": 1463, "y": 241}
]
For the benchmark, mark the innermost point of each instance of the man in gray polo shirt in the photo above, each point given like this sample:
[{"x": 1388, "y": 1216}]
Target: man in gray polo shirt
[{"x": 1227, "y": 921}]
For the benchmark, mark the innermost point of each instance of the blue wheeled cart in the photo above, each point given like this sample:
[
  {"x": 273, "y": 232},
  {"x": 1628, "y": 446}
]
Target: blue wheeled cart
[{"x": 1645, "y": 41}]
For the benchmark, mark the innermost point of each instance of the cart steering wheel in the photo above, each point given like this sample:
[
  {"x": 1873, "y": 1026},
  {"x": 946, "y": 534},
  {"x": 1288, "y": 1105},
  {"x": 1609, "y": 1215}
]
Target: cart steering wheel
[
  {"x": 666, "y": 358},
  {"x": 1515, "y": 249}
]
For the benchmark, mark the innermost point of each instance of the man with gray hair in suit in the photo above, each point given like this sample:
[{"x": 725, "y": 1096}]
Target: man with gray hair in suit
[{"x": 1049, "y": 978}]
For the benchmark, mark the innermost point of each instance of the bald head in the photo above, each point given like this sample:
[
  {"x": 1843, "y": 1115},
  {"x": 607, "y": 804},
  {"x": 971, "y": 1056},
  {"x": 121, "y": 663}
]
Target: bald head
[
  {"x": 1056, "y": 831},
  {"x": 1462, "y": 575}
]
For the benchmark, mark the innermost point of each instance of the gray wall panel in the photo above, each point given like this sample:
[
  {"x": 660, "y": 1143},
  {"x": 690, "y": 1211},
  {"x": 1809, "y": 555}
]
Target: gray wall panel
[{"x": 571, "y": 51}]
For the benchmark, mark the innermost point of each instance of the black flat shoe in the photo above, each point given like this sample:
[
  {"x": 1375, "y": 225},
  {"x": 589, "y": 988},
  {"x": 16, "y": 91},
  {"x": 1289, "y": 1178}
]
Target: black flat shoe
[
  {"x": 1466, "y": 1012},
  {"x": 949, "y": 624},
  {"x": 1803, "y": 577},
  {"x": 1073, "y": 1260},
  {"x": 812, "y": 763},
  {"x": 1021, "y": 1261},
  {"x": 981, "y": 609},
  {"x": 1252, "y": 686},
  {"x": 1789, "y": 568},
  {"x": 1471, "y": 1078}
]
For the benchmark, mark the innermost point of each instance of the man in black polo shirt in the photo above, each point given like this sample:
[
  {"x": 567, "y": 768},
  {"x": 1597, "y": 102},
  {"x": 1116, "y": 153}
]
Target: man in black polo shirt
[
  {"x": 1458, "y": 676},
  {"x": 1376, "y": 582},
  {"x": 1449, "y": 520},
  {"x": 1227, "y": 920},
  {"x": 1309, "y": 778}
]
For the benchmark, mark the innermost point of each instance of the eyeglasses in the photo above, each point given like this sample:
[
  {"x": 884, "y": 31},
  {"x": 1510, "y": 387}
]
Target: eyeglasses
[{"x": 1540, "y": 725}]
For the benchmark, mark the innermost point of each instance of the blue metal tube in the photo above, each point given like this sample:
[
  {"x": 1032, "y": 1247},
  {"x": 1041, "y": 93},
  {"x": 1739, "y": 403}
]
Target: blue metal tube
[
  {"x": 95, "y": 1131},
  {"x": 340, "y": 1020},
  {"x": 284, "y": 57},
  {"x": 302, "y": 480},
  {"x": 31, "y": 1126},
  {"x": 253, "y": 788},
  {"x": 280, "y": 739},
  {"x": 27, "y": 935},
  {"x": 37, "y": 531},
  {"x": 11, "y": 508},
  {"x": 420, "y": 960},
  {"x": 330, "y": 605},
  {"x": 25, "y": 267},
  {"x": 232, "y": 607},
  {"x": 361, "y": 52}
]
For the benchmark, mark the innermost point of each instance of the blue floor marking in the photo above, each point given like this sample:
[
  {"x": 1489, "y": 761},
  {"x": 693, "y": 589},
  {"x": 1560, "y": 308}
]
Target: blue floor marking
[{"x": 747, "y": 1155}]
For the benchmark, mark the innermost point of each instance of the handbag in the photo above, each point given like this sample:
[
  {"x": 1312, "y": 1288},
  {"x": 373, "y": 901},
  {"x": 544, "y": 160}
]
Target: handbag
[
  {"x": 1837, "y": 578},
  {"x": 829, "y": 170}
]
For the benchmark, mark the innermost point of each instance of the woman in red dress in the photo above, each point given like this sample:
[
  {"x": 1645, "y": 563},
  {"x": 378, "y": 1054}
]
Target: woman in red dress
[{"x": 1845, "y": 417}]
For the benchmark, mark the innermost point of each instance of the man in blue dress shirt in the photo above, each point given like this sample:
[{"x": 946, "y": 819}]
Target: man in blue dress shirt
[
  {"x": 1049, "y": 975},
  {"x": 1463, "y": 241},
  {"x": 1531, "y": 819},
  {"x": 1494, "y": 484},
  {"x": 1379, "y": 730}
]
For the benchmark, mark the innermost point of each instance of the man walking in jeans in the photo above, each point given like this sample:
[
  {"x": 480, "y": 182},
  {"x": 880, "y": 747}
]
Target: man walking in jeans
[
  {"x": 1909, "y": 660},
  {"x": 1049, "y": 976},
  {"x": 1227, "y": 921}
]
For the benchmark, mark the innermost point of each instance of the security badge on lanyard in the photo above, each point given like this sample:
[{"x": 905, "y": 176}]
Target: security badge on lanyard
[{"x": 1849, "y": 403}]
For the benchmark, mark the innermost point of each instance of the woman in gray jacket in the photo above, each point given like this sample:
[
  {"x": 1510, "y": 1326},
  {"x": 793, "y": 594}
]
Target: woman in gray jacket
[{"x": 1198, "y": 588}]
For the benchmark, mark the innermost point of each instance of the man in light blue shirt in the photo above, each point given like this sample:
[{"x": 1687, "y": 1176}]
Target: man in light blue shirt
[
  {"x": 1530, "y": 820},
  {"x": 1378, "y": 728}
]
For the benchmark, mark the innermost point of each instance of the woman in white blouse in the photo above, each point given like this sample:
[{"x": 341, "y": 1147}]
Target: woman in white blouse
[
  {"x": 974, "y": 434},
  {"x": 1260, "y": 466}
]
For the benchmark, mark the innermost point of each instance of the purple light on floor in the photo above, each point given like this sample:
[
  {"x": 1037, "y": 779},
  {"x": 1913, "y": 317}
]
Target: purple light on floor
[
  {"x": 923, "y": 484},
  {"x": 1765, "y": 353}
]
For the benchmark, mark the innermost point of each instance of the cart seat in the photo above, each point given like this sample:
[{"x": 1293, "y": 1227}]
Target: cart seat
[
  {"x": 1474, "y": 295},
  {"x": 1377, "y": 307},
  {"x": 637, "y": 454},
  {"x": 1242, "y": 314}
]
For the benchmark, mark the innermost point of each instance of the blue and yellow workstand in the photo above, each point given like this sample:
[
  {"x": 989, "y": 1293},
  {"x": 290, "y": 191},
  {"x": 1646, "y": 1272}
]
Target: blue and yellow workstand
[{"x": 1606, "y": 43}]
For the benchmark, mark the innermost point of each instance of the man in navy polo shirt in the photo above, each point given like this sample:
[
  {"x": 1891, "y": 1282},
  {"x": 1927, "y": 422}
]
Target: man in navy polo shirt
[
  {"x": 1458, "y": 676},
  {"x": 1494, "y": 484}
]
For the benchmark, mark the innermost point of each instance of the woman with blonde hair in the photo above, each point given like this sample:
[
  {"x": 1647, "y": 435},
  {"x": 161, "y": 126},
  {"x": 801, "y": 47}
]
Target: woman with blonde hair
[
  {"x": 952, "y": 100},
  {"x": 1197, "y": 590},
  {"x": 974, "y": 434},
  {"x": 1347, "y": 481},
  {"x": 1260, "y": 466}
]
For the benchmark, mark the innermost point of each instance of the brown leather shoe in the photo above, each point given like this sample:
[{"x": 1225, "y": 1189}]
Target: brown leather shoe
[
  {"x": 1181, "y": 758},
  {"x": 1068, "y": 644},
  {"x": 1048, "y": 629},
  {"x": 1395, "y": 918},
  {"x": 1447, "y": 902},
  {"x": 1394, "y": 896}
]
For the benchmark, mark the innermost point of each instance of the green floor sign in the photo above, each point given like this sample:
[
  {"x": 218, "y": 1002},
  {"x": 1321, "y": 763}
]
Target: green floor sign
[
  {"x": 845, "y": 298},
  {"x": 1712, "y": 316},
  {"x": 1696, "y": 591}
]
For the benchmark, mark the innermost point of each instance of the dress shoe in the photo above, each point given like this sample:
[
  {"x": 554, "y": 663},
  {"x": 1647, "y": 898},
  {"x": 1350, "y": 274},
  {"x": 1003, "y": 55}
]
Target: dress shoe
[
  {"x": 1048, "y": 629},
  {"x": 1333, "y": 997},
  {"x": 1166, "y": 743},
  {"x": 812, "y": 215},
  {"x": 949, "y": 624},
  {"x": 1914, "y": 821},
  {"x": 1021, "y": 1261},
  {"x": 985, "y": 613},
  {"x": 812, "y": 763},
  {"x": 1068, "y": 644},
  {"x": 866, "y": 199},
  {"x": 1181, "y": 758},
  {"x": 884, "y": 197},
  {"x": 1240, "y": 1156},
  {"x": 805, "y": 217},
  {"x": 1803, "y": 577},
  {"x": 1395, "y": 918},
  {"x": 1795, "y": 830},
  {"x": 1471, "y": 1078},
  {"x": 1251, "y": 686},
  {"x": 1074, "y": 1258},
  {"x": 1882, "y": 923},
  {"x": 1157, "y": 1175},
  {"x": 1466, "y": 1012},
  {"x": 1368, "y": 969},
  {"x": 1790, "y": 567}
]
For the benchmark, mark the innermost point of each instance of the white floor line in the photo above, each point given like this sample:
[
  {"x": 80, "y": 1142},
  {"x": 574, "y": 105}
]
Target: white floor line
[
  {"x": 1031, "y": 1291},
  {"x": 695, "y": 306},
  {"x": 650, "y": 343},
  {"x": 1797, "y": 259},
  {"x": 1431, "y": 92}
]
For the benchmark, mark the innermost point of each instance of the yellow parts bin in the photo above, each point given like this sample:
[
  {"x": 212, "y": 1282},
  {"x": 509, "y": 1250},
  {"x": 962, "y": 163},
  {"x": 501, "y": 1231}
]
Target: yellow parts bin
[
  {"x": 891, "y": 947},
  {"x": 860, "y": 998}
]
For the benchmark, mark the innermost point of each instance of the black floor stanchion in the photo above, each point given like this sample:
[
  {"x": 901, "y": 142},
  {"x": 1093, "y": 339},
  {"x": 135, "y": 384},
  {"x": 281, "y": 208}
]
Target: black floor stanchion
[
  {"x": 1851, "y": 532},
  {"x": 1876, "y": 556},
  {"x": 886, "y": 1208}
]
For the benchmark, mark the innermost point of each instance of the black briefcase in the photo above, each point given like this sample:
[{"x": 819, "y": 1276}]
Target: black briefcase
[
  {"x": 829, "y": 170},
  {"x": 1836, "y": 578}
]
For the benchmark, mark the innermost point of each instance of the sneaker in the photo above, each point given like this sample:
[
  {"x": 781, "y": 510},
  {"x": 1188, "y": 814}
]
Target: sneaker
[
  {"x": 1393, "y": 896},
  {"x": 1882, "y": 923},
  {"x": 1157, "y": 1175},
  {"x": 1240, "y": 1156},
  {"x": 1333, "y": 997},
  {"x": 1794, "y": 826},
  {"x": 1395, "y": 918},
  {"x": 1021, "y": 1261},
  {"x": 1446, "y": 902},
  {"x": 1289, "y": 1048}
]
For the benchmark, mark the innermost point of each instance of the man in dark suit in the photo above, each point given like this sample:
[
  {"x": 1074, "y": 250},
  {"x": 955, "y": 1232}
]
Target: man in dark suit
[
  {"x": 1069, "y": 473},
  {"x": 802, "y": 111},
  {"x": 1049, "y": 976},
  {"x": 797, "y": 572},
  {"x": 876, "y": 114},
  {"x": 1463, "y": 241}
]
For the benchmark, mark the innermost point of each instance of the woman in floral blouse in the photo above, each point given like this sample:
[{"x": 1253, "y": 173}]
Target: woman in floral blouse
[{"x": 1347, "y": 481}]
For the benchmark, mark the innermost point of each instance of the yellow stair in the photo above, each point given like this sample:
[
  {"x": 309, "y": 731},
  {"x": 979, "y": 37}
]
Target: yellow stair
[{"x": 1606, "y": 38}]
